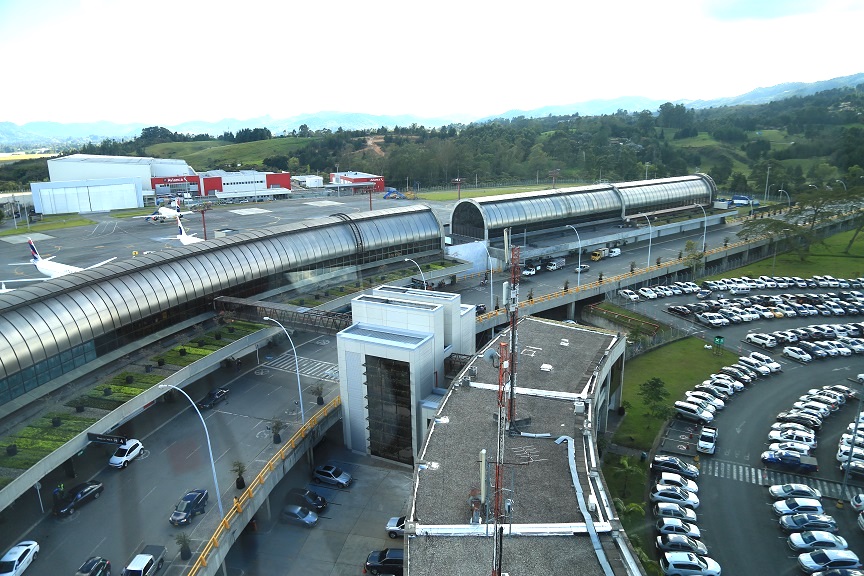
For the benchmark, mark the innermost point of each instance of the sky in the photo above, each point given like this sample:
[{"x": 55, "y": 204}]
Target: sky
[{"x": 164, "y": 62}]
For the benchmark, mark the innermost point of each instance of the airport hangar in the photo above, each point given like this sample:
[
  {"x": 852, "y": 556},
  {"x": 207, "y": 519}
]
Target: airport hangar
[{"x": 94, "y": 183}]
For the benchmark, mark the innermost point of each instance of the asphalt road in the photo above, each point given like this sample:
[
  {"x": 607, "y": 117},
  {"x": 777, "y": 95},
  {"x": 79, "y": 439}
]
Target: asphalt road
[{"x": 738, "y": 525}]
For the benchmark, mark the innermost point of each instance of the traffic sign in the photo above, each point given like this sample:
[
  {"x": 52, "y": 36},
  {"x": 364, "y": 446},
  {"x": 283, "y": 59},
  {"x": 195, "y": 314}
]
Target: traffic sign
[
  {"x": 718, "y": 340},
  {"x": 106, "y": 439}
]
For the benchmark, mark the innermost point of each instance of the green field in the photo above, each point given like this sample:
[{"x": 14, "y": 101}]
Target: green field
[{"x": 204, "y": 156}]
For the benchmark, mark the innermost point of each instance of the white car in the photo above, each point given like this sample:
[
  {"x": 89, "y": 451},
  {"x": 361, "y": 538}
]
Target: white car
[
  {"x": 797, "y": 436},
  {"x": 853, "y": 344},
  {"x": 843, "y": 454},
  {"x": 674, "y": 494},
  {"x": 707, "y": 443},
  {"x": 838, "y": 397},
  {"x": 815, "y": 540},
  {"x": 817, "y": 560},
  {"x": 794, "y": 490},
  {"x": 841, "y": 350},
  {"x": 795, "y": 353},
  {"x": 125, "y": 453},
  {"x": 712, "y": 319},
  {"x": 648, "y": 293},
  {"x": 18, "y": 558},
  {"x": 706, "y": 397},
  {"x": 688, "y": 564},
  {"x": 767, "y": 361},
  {"x": 798, "y": 506},
  {"x": 790, "y": 446},
  {"x": 673, "y": 479},
  {"x": 530, "y": 271},
  {"x": 629, "y": 295},
  {"x": 754, "y": 365}
]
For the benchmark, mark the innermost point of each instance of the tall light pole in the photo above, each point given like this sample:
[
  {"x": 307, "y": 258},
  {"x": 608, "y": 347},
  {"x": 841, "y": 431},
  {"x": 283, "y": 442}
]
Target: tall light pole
[
  {"x": 774, "y": 260},
  {"x": 647, "y": 164},
  {"x": 788, "y": 199},
  {"x": 209, "y": 447},
  {"x": 296, "y": 367},
  {"x": 488, "y": 255},
  {"x": 650, "y": 234},
  {"x": 579, "y": 265},
  {"x": 851, "y": 451},
  {"x": 705, "y": 227},
  {"x": 844, "y": 185},
  {"x": 767, "y": 175},
  {"x": 422, "y": 277}
]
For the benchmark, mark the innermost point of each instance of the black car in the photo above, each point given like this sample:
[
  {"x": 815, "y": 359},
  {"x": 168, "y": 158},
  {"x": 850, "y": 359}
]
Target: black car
[
  {"x": 307, "y": 499},
  {"x": 95, "y": 566},
  {"x": 194, "y": 502},
  {"x": 802, "y": 522},
  {"x": 679, "y": 310},
  {"x": 663, "y": 463},
  {"x": 387, "y": 561},
  {"x": 213, "y": 398},
  {"x": 713, "y": 390},
  {"x": 804, "y": 419},
  {"x": 78, "y": 495}
]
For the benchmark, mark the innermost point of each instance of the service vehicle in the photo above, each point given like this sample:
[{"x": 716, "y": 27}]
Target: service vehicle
[
  {"x": 555, "y": 264},
  {"x": 707, "y": 440},
  {"x": 601, "y": 253},
  {"x": 147, "y": 562}
]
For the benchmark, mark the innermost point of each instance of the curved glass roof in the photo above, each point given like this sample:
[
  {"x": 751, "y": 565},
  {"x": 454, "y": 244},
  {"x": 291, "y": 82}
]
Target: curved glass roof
[
  {"x": 50, "y": 317},
  {"x": 518, "y": 210}
]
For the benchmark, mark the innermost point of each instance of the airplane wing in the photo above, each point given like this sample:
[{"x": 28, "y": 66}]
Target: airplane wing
[{"x": 100, "y": 263}]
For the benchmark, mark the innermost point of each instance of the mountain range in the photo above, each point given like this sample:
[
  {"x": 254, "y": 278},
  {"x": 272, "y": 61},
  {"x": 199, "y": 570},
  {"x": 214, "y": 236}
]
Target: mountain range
[{"x": 56, "y": 134}]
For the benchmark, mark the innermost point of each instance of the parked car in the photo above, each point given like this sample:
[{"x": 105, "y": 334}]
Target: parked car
[
  {"x": 796, "y": 353},
  {"x": 387, "y": 561},
  {"x": 672, "y": 510},
  {"x": 664, "y": 463},
  {"x": 396, "y": 527},
  {"x": 307, "y": 499},
  {"x": 705, "y": 397},
  {"x": 213, "y": 398},
  {"x": 767, "y": 361},
  {"x": 95, "y": 566},
  {"x": 712, "y": 390},
  {"x": 790, "y": 460},
  {"x": 797, "y": 436},
  {"x": 764, "y": 340},
  {"x": 674, "y": 494},
  {"x": 674, "y": 479},
  {"x": 677, "y": 526},
  {"x": 125, "y": 453},
  {"x": 793, "y": 491},
  {"x": 78, "y": 495},
  {"x": 792, "y": 426},
  {"x": 679, "y": 543},
  {"x": 810, "y": 540},
  {"x": 688, "y": 564},
  {"x": 798, "y": 506},
  {"x": 192, "y": 503},
  {"x": 802, "y": 522},
  {"x": 629, "y": 295},
  {"x": 19, "y": 558},
  {"x": 647, "y": 293},
  {"x": 693, "y": 412},
  {"x": 817, "y": 560},
  {"x": 330, "y": 474},
  {"x": 294, "y": 514},
  {"x": 812, "y": 422},
  {"x": 679, "y": 310}
]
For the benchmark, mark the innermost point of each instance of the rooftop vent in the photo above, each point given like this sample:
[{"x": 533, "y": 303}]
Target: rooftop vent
[
  {"x": 546, "y": 368},
  {"x": 472, "y": 371}
]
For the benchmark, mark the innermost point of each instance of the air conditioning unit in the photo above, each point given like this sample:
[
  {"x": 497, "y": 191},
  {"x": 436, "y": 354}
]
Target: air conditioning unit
[
  {"x": 592, "y": 503},
  {"x": 579, "y": 405},
  {"x": 472, "y": 371}
]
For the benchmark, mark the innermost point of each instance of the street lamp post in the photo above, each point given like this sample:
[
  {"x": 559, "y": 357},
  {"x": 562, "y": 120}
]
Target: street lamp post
[
  {"x": 788, "y": 199},
  {"x": 296, "y": 367},
  {"x": 488, "y": 255},
  {"x": 579, "y": 265},
  {"x": 650, "y": 234},
  {"x": 705, "y": 227},
  {"x": 774, "y": 260},
  {"x": 422, "y": 277},
  {"x": 209, "y": 447},
  {"x": 647, "y": 164},
  {"x": 844, "y": 185},
  {"x": 851, "y": 451}
]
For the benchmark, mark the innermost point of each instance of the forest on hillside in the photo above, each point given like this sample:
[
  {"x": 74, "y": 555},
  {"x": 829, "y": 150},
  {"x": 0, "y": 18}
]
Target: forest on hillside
[{"x": 815, "y": 141}]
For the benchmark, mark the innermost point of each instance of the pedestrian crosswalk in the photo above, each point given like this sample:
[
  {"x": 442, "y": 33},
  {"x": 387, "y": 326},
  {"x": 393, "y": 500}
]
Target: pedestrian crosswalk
[
  {"x": 308, "y": 366},
  {"x": 764, "y": 477}
]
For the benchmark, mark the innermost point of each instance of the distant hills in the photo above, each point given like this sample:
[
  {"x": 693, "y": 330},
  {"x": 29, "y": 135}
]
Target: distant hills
[{"x": 39, "y": 134}]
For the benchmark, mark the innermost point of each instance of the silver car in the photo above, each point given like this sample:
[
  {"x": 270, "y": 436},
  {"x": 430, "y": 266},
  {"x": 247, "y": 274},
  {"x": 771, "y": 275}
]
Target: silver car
[
  {"x": 396, "y": 527},
  {"x": 295, "y": 514},
  {"x": 330, "y": 474}
]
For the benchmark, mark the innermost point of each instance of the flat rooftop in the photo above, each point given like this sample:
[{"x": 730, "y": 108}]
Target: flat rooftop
[{"x": 546, "y": 530}]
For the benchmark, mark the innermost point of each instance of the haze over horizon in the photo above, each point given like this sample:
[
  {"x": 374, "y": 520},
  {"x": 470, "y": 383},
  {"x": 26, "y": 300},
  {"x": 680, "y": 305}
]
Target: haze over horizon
[{"x": 164, "y": 63}]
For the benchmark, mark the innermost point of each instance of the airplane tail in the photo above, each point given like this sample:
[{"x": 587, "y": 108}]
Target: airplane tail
[{"x": 33, "y": 252}]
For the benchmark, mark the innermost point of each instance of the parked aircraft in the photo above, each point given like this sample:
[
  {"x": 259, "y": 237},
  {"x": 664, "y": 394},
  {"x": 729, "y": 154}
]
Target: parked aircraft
[
  {"x": 184, "y": 238},
  {"x": 52, "y": 269},
  {"x": 163, "y": 213}
]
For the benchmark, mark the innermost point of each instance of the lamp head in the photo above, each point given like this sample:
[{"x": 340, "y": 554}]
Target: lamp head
[
  {"x": 406, "y": 259},
  {"x": 267, "y": 318}
]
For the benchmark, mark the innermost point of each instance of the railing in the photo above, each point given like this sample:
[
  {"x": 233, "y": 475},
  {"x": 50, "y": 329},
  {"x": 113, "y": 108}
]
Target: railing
[{"x": 233, "y": 514}]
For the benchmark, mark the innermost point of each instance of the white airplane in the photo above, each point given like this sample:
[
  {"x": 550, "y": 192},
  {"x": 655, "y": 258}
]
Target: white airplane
[
  {"x": 164, "y": 213},
  {"x": 185, "y": 239},
  {"x": 52, "y": 269}
]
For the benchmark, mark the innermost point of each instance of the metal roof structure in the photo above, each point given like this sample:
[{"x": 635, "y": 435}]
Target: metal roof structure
[
  {"x": 51, "y": 328},
  {"x": 488, "y": 217}
]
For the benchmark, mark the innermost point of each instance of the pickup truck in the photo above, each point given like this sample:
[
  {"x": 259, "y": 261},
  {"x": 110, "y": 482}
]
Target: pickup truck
[
  {"x": 790, "y": 461},
  {"x": 147, "y": 562},
  {"x": 707, "y": 440}
]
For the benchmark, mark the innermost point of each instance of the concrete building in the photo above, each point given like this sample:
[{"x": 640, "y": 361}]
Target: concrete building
[
  {"x": 393, "y": 364},
  {"x": 552, "y": 506}
]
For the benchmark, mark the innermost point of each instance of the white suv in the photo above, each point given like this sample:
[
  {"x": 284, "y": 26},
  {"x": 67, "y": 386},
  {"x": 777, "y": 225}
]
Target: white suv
[
  {"x": 764, "y": 340},
  {"x": 688, "y": 564},
  {"x": 767, "y": 361}
]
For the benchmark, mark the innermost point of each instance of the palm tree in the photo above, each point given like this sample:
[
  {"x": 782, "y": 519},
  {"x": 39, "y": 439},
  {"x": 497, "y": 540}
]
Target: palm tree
[
  {"x": 626, "y": 469},
  {"x": 627, "y": 509}
]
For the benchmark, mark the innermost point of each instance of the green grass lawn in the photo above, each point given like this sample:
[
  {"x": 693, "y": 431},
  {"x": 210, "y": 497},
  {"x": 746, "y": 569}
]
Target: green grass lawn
[
  {"x": 209, "y": 155},
  {"x": 53, "y": 222}
]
